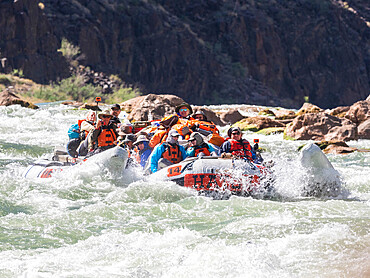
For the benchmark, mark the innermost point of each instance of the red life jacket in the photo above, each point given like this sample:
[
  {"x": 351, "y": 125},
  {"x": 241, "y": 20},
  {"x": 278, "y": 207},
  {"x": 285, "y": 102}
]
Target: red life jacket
[
  {"x": 172, "y": 153},
  {"x": 241, "y": 148},
  {"x": 107, "y": 137},
  {"x": 201, "y": 149}
]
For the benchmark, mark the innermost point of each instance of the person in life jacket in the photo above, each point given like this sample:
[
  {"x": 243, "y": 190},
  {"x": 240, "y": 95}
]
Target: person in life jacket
[
  {"x": 84, "y": 127},
  {"x": 144, "y": 151},
  {"x": 169, "y": 152},
  {"x": 237, "y": 146},
  {"x": 161, "y": 134},
  {"x": 202, "y": 125},
  {"x": 127, "y": 142},
  {"x": 184, "y": 111},
  {"x": 104, "y": 135},
  {"x": 198, "y": 147}
]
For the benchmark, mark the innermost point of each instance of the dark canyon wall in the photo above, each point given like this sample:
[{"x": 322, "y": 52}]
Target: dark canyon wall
[{"x": 271, "y": 52}]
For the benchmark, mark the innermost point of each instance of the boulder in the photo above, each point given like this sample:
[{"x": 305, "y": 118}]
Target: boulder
[
  {"x": 359, "y": 112},
  {"x": 321, "y": 126},
  {"x": 335, "y": 149},
  {"x": 158, "y": 106},
  {"x": 363, "y": 130},
  {"x": 257, "y": 123},
  {"x": 309, "y": 108},
  {"x": 339, "y": 111},
  {"x": 284, "y": 114},
  {"x": 8, "y": 98},
  {"x": 231, "y": 116}
]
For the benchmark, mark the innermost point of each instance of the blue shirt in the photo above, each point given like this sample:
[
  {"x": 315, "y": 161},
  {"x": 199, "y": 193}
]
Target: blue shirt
[{"x": 157, "y": 154}]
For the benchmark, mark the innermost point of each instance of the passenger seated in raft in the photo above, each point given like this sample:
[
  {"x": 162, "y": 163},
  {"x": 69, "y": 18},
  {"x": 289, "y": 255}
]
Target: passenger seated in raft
[
  {"x": 237, "y": 146},
  {"x": 104, "y": 136},
  {"x": 184, "y": 111},
  {"x": 198, "y": 147},
  {"x": 143, "y": 150},
  {"x": 128, "y": 143},
  {"x": 169, "y": 152},
  {"x": 87, "y": 126}
]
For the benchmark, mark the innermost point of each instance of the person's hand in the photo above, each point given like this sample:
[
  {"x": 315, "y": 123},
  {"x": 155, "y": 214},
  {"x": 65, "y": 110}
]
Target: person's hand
[{"x": 99, "y": 124}]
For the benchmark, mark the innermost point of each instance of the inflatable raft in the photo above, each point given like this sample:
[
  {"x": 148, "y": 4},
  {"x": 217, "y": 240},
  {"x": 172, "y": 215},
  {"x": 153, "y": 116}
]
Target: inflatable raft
[
  {"x": 209, "y": 174},
  {"x": 114, "y": 159}
]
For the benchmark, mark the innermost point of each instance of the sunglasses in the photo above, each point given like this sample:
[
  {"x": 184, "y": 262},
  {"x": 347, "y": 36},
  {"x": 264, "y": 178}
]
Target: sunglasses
[
  {"x": 191, "y": 140},
  {"x": 184, "y": 109},
  {"x": 235, "y": 133},
  {"x": 116, "y": 109},
  {"x": 199, "y": 118},
  {"x": 105, "y": 117}
]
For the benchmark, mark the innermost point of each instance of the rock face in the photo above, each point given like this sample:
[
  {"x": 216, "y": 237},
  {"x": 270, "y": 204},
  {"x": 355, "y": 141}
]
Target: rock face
[
  {"x": 258, "y": 52},
  {"x": 27, "y": 42}
]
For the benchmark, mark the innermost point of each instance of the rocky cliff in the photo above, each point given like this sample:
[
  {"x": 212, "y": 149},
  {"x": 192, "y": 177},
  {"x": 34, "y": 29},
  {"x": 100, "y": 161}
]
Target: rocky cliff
[
  {"x": 269, "y": 52},
  {"x": 27, "y": 42}
]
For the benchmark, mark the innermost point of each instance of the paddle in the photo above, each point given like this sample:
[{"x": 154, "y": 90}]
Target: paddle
[{"x": 97, "y": 100}]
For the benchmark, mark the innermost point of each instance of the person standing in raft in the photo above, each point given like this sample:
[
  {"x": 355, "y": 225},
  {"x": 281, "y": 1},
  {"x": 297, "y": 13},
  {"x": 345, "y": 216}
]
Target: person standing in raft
[
  {"x": 237, "y": 146},
  {"x": 144, "y": 151},
  {"x": 104, "y": 136},
  {"x": 198, "y": 147},
  {"x": 167, "y": 153}
]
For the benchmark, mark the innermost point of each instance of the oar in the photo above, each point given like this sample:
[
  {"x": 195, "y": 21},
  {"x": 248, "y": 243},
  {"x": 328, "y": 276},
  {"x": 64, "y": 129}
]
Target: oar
[{"x": 97, "y": 100}]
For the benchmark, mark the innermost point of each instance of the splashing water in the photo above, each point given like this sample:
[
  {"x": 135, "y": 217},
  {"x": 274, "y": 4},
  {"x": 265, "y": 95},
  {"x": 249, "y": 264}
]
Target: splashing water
[{"x": 80, "y": 224}]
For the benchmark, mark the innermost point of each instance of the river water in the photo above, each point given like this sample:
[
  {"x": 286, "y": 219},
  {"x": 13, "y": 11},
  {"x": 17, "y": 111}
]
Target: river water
[{"x": 98, "y": 226}]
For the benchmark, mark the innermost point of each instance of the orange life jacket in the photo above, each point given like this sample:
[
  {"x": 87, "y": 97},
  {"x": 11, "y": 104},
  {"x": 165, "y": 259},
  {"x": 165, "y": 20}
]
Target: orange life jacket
[
  {"x": 158, "y": 137},
  {"x": 207, "y": 126},
  {"x": 172, "y": 153},
  {"x": 107, "y": 137},
  {"x": 241, "y": 148},
  {"x": 202, "y": 149}
]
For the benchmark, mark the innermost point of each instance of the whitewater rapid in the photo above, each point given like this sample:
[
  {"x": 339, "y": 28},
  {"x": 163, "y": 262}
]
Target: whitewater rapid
[{"x": 82, "y": 225}]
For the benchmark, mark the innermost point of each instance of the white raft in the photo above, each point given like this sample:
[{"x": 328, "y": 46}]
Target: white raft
[{"x": 114, "y": 159}]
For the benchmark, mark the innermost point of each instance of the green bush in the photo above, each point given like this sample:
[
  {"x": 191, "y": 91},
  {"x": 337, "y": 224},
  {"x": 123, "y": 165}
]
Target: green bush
[
  {"x": 69, "y": 88},
  {"x": 123, "y": 94}
]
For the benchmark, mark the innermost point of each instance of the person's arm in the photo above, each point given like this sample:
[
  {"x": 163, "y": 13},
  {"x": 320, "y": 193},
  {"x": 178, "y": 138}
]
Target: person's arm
[
  {"x": 183, "y": 152},
  {"x": 225, "y": 147},
  {"x": 157, "y": 153},
  {"x": 190, "y": 152},
  {"x": 86, "y": 126},
  {"x": 212, "y": 151}
]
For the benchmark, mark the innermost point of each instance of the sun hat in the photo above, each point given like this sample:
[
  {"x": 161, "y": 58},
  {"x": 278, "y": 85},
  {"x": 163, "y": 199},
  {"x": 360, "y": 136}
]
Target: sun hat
[
  {"x": 173, "y": 133},
  {"x": 197, "y": 137},
  {"x": 104, "y": 113},
  {"x": 129, "y": 138},
  {"x": 141, "y": 139}
]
